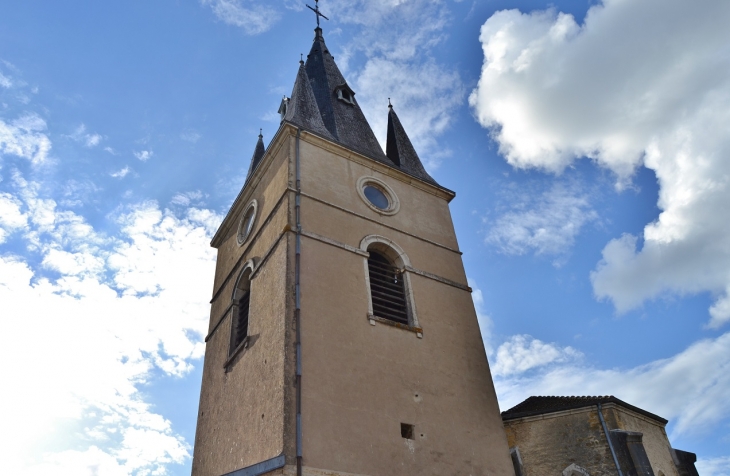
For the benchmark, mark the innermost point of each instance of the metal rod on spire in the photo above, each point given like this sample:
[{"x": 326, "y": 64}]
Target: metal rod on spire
[{"x": 317, "y": 12}]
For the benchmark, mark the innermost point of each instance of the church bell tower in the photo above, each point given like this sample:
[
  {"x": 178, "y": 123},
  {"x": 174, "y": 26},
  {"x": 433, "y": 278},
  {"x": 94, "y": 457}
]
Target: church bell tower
[{"x": 343, "y": 339}]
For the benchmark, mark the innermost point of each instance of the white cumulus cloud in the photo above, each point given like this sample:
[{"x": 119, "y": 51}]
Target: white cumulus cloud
[
  {"x": 523, "y": 352},
  {"x": 638, "y": 83},
  {"x": 12, "y": 217},
  {"x": 691, "y": 388},
  {"x": 114, "y": 311}
]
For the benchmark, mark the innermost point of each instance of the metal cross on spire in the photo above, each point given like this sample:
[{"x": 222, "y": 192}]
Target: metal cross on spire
[{"x": 317, "y": 12}]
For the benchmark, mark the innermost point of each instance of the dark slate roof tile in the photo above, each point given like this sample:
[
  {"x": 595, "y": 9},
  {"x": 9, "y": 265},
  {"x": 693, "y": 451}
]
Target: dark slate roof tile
[
  {"x": 302, "y": 109},
  {"x": 400, "y": 150},
  {"x": 258, "y": 154}
]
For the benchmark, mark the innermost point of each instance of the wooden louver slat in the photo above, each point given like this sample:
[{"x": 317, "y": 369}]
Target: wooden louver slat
[{"x": 386, "y": 289}]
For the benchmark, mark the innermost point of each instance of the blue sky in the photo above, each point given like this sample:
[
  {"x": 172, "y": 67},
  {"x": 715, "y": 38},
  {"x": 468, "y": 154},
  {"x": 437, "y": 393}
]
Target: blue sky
[{"x": 587, "y": 143}]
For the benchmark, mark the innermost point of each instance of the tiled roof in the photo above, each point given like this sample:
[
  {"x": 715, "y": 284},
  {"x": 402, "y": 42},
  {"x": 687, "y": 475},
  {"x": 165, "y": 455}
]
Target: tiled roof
[{"x": 542, "y": 405}]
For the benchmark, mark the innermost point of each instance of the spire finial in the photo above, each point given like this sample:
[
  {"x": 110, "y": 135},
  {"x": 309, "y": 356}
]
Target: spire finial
[
  {"x": 390, "y": 106},
  {"x": 261, "y": 133},
  {"x": 301, "y": 58},
  {"x": 317, "y": 12}
]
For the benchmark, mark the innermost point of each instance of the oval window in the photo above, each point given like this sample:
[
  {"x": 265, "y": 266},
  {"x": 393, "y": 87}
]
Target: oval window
[
  {"x": 246, "y": 224},
  {"x": 376, "y": 197}
]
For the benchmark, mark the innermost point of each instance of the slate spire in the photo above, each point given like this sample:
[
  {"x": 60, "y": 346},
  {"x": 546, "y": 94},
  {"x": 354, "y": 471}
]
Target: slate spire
[
  {"x": 338, "y": 107},
  {"x": 323, "y": 103},
  {"x": 400, "y": 150},
  {"x": 258, "y": 154}
]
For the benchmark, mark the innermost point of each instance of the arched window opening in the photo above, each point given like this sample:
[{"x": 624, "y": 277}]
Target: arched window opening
[
  {"x": 240, "y": 309},
  {"x": 387, "y": 289}
]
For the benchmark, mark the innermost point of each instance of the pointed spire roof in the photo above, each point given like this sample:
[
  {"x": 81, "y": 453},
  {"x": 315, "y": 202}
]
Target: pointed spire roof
[
  {"x": 301, "y": 109},
  {"x": 400, "y": 150},
  {"x": 339, "y": 110},
  {"x": 258, "y": 154},
  {"x": 323, "y": 103}
]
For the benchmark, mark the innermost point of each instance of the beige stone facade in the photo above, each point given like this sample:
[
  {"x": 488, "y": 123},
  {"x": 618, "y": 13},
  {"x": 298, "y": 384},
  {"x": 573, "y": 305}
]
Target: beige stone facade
[{"x": 361, "y": 377}]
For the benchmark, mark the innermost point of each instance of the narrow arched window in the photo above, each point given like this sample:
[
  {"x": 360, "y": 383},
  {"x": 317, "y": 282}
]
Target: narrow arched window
[
  {"x": 240, "y": 309},
  {"x": 387, "y": 289}
]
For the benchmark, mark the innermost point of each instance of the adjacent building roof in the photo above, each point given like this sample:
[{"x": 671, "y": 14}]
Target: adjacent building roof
[
  {"x": 258, "y": 154},
  {"x": 542, "y": 405}
]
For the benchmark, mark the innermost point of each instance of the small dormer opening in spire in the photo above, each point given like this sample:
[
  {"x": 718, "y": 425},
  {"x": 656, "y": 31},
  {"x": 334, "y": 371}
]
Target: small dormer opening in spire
[
  {"x": 345, "y": 94},
  {"x": 283, "y": 107}
]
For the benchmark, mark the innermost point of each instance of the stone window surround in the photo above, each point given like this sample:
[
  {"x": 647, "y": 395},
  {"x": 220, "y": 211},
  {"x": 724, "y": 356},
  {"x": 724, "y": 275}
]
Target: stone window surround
[
  {"x": 252, "y": 204},
  {"x": 362, "y": 182},
  {"x": 401, "y": 260}
]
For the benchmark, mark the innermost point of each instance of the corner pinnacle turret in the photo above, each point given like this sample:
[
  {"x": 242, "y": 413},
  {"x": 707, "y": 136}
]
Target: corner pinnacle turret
[{"x": 258, "y": 154}]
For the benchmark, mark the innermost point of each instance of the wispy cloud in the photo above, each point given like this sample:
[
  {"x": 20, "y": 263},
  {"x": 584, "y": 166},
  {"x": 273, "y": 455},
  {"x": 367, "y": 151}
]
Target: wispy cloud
[
  {"x": 120, "y": 174},
  {"x": 190, "y": 136},
  {"x": 644, "y": 83},
  {"x": 188, "y": 198},
  {"x": 5, "y": 82},
  {"x": 25, "y": 137},
  {"x": 485, "y": 322},
  {"x": 79, "y": 192},
  {"x": 144, "y": 155},
  {"x": 545, "y": 223},
  {"x": 253, "y": 18},
  {"x": 82, "y": 136},
  {"x": 714, "y": 466}
]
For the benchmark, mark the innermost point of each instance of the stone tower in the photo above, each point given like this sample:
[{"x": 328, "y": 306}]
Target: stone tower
[{"x": 343, "y": 338}]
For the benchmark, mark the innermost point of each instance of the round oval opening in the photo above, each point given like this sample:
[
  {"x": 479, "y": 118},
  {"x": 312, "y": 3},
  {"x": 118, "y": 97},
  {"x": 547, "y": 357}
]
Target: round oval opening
[
  {"x": 376, "y": 197},
  {"x": 246, "y": 224}
]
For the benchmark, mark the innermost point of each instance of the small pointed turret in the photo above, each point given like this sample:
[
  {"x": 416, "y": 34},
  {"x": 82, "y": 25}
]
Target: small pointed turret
[
  {"x": 301, "y": 109},
  {"x": 400, "y": 150},
  {"x": 258, "y": 154}
]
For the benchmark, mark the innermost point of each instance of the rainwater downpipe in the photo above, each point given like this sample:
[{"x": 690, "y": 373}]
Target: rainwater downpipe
[
  {"x": 297, "y": 307},
  {"x": 608, "y": 438}
]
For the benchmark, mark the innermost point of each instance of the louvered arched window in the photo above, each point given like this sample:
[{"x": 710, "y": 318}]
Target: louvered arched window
[
  {"x": 240, "y": 311},
  {"x": 387, "y": 288}
]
